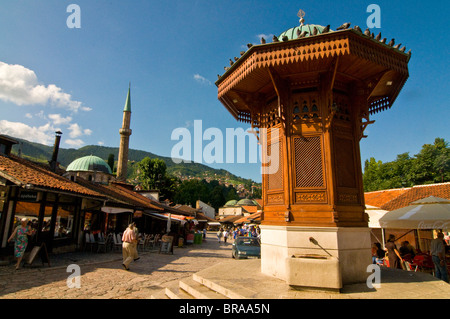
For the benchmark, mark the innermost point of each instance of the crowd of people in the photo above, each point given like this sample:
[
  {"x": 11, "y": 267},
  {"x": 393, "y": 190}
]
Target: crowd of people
[
  {"x": 225, "y": 233},
  {"x": 404, "y": 257}
]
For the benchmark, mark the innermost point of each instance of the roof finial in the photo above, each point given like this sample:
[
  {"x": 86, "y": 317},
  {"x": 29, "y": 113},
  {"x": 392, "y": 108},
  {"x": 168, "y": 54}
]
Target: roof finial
[{"x": 301, "y": 14}]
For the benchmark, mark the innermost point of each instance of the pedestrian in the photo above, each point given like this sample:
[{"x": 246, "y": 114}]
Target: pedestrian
[
  {"x": 204, "y": 233},
  {"x": 128, "y": 253},
  {"x": 393, "y": 254},
  {"x": 437, "y": 251},
  {"x": 225, "y": 236},
  {"x": 219, "y": 234},
  {"x": 20, "y": 240}
]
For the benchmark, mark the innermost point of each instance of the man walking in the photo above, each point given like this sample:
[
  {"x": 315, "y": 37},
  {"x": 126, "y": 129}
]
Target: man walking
[
  {"x": 437, "y": 250},
  {"x": 128, "y": 250}
]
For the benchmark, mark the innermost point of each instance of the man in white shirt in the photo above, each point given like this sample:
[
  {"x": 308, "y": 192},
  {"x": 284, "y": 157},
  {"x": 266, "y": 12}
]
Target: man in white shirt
[{"x": 437, "y": 250}]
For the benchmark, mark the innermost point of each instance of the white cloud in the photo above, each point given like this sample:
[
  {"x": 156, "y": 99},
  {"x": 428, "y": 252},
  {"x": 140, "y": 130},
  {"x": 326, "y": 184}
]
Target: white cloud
[
  {"x": 201, "y": 79},
  {"x": 74, "y": 143},
  {"x": 29, "y": 116},
  {"x": 43, "y": 134},
  {"x": 76, "y": 130},
  {"x": 101, "y": 143},
  {"x": 58, "y": 119},
  {"x": 20, "y": 86}
]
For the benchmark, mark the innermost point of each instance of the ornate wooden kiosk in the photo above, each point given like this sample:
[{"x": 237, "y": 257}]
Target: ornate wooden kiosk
[{"x": 317, "y": 91}]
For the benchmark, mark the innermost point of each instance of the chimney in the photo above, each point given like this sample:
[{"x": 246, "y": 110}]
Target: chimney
[{"x": 54, "y": 161}]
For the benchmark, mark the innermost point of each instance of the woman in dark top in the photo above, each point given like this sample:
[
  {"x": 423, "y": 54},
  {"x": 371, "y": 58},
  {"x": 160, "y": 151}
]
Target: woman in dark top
[{"x": 393, "y": 254}]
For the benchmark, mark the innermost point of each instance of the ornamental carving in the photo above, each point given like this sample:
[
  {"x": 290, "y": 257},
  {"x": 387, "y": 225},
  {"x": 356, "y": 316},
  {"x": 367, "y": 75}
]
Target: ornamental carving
[
  {"x": 317, "y": 197},
  {"x": 347, "y": 198},
  {"x": 275, "y": 198}
]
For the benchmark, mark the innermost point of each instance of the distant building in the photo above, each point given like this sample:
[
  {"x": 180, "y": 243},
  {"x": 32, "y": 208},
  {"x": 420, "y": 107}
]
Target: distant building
[{"x": 207, "y": 210}]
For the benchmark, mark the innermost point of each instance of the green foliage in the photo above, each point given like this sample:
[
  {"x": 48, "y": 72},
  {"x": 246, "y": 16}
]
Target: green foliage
[
  {"x": 66, "y": 156},
  {"x": 212, "y": 193},
  {"x": 111, "y": 162},
  {"x": 431, "y": 165}
]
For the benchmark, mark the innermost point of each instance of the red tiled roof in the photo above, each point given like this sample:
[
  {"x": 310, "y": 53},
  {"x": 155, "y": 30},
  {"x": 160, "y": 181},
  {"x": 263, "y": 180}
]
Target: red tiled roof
[
  {"x": 250, "y": 209},
  {"x": 250, "y": 218},
  {"x": 380, "y": 198},
  {"x": 187, "y": 209},
  {"x": 392, "y": 199},
  {"x": 202, "y": 217},
  {"x": 22, "y": 172},
  {"x": 418, "y": 192},
  {"x": 229, "y": 219}
]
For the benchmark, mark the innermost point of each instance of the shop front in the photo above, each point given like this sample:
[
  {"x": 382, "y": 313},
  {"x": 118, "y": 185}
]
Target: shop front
[{"x": 54, "y": 217}]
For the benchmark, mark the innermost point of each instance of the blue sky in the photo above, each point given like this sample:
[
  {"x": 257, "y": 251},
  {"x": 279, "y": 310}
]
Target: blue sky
[{"x": 54, "y": 77}]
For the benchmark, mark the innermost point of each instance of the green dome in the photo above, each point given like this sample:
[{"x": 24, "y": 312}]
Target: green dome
[
  {"x": 89, "y": 163},
  {"x": 231, "y": 202},
  {"x": 292, "y": 32},
  {"x": 246, "y": 202}
]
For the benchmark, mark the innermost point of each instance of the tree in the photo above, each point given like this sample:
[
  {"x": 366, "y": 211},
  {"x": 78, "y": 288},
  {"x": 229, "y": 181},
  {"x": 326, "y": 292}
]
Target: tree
[
  {"x": 151, "y": 172},
  {"x": 430, "y": 165},
  {"x": 189, "y": 191},
  {"x": 111, "y": 162},
  {"x": 152, "y": 175}
]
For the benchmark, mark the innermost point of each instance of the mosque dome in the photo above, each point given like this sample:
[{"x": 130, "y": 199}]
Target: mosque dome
[
  {"x": 246, "y": 202},
  {"x": 231, "y": 202},
  {"x": 89, "y": 163}
]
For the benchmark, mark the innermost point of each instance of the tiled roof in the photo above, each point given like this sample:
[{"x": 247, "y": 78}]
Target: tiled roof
[
  {"x": 120, "y": 195},
  {"x": 187, "y": 209},
  {"x": 380, "y": 198},
  {"x": 203, "y": 217},
  {"x": 398, "y": 198},
  {"x": 22, "y": 172},
  {"x": 250, "y": 209},
  {"x": 230, "y": 219},
  {"x": 418, "y": 192},
  {"x": 256, "y": 217}
]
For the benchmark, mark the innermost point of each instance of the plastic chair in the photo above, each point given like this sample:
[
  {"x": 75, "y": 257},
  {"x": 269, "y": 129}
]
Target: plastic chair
[
  {"x": 423, "y": 262},
  {"x": 101, "y": 243},
  {"x": 117, "y": 241},
  {"x": 88, "y": 241}
]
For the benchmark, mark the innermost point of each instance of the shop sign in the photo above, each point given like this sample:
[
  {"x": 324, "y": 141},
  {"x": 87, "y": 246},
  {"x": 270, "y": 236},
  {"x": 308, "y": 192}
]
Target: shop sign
[{"x": 27, "y": 196}]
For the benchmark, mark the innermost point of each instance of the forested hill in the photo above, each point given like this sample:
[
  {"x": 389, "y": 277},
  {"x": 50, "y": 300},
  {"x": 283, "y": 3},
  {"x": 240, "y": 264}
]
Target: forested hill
[{"x": 43, "y": 153}]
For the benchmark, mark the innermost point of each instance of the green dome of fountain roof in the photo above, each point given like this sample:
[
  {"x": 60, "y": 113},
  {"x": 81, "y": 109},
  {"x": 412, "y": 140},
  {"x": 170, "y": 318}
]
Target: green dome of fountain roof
[{"x": 292, "y": 32}]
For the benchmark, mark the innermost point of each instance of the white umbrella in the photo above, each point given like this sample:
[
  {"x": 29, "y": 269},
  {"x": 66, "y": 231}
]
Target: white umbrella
[{"x": 428, "y": 213}]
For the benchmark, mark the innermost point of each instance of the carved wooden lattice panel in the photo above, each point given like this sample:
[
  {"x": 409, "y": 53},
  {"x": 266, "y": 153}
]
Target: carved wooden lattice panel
[
  {"x": 345, "y": 162},
  {"x": 275, "y": 180},
  {"x": 308, "y": 162}
]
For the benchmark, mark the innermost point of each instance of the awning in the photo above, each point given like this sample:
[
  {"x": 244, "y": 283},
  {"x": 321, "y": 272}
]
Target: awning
[
  {"x": 428, "y": 213},
  {"x": 375, "y": 213},
  {"x": 174, "y": 218},
  {"x": 116, "y": 210}
]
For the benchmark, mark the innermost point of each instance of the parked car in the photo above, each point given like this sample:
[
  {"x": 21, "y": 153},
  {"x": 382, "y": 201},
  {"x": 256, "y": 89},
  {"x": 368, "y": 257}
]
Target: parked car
[{"x": 244, "y": 247}]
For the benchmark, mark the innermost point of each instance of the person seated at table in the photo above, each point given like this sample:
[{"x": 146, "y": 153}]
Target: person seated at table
[
  {"x": 377, "y": 254},
  {"x": 407, "y": 249}
]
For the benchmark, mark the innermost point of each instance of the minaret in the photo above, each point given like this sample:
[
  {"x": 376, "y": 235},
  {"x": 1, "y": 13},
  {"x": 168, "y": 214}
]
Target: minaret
[{"x": 125, "y": 133}]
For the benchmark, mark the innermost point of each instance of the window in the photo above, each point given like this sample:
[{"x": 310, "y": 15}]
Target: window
[{"x": 64, "y": 221}]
